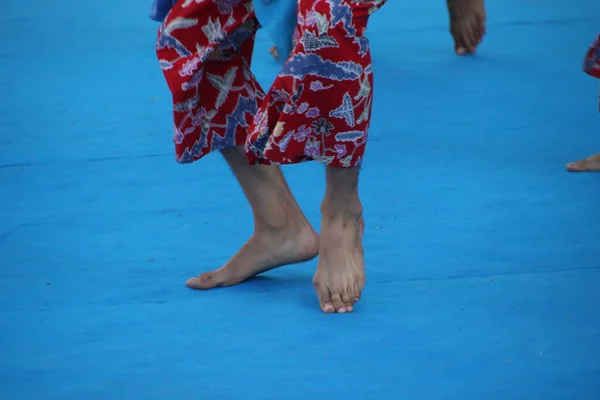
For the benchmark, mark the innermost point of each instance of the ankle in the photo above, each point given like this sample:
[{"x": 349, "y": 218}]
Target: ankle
[
  {"x": 278, "y": 221},
  {"x": 346, "y": 209}
]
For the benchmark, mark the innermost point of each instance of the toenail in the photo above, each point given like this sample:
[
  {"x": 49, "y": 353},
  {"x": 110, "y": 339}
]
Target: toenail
[
  {"x": 328, "y": 307},
  {"x": 342, "y": 310}
]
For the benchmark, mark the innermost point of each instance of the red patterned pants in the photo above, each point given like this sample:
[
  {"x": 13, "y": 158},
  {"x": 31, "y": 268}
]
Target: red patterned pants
[{"x": 318, "y": 108}]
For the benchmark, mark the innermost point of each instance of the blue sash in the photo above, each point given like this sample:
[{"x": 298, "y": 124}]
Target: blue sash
[{"x": 277, "y": 17}]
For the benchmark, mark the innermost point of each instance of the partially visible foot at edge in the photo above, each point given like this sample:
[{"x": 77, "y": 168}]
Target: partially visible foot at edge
[
  {"x": 467, "y": 24},
  {"x": 590, "y": 164}
]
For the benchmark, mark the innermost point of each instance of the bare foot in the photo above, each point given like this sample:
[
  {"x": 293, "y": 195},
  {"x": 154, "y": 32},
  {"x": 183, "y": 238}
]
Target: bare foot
[
  {"x": 590, "y": 164},
  {"x": 467, "y": 24},
  {"x": 263, "y": 252},
  {"x": 340, "y": 275},
  {"x": 274, "y": 52}
]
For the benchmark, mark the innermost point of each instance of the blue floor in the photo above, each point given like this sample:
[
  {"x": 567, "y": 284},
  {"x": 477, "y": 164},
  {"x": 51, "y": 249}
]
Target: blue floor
[{"x": 483, "y": 254}]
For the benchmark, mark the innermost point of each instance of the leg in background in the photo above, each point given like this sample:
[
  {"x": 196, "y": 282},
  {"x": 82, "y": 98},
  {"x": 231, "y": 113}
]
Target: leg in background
[{"x": 467, "y": 24}]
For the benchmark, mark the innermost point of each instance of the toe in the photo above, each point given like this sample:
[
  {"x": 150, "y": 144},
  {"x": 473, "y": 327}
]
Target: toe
[
  {"x": 459, "y": 47},
  {"x": 348, "y": 299},
  {"x": 325, "y": 301},
  {"x": 575, "y": 166},
  {"x": 481, "y": 29},
  {"x": 357, "y": 292},
  {"x": 472, "y": 38},
  {"x": 457, "y": 31},
  {"x": 204, "y": 281},
  {"x": 462, "y": 47},
  {"x": 338, "y": 303}
]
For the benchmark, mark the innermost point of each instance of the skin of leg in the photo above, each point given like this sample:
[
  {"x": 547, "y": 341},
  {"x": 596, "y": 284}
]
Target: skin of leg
[
  {"x": 316, "y": 110},
  {"x": 274, "y": 53},
  {"x": 340, "y": 275},
  {"x": 590, "y": 164},
  {"x": 282, "y": 234},
  {"x": 214, "y": 98},
  {"x": 467, "y": 24}
]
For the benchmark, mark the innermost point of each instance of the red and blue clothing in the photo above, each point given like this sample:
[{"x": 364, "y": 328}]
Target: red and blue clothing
[{"x": 319, "y": 106}]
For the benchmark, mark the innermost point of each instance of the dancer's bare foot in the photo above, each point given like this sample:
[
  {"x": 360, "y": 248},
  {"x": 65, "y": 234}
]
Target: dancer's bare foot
[
  {"x": 274, "y": 52},
  {"x": 467, "y": 24},
  {"x": 590, "y": 164},
  {"x": 282, "y": 234},
  {"x": 340, "y": 275},
  {"x": 263, "y": 252}
]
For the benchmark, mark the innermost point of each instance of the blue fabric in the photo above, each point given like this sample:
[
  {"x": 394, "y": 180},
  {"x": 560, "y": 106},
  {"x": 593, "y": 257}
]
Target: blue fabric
[
  {"x": 160, "y": 9},
  {"x": 277, "y": 17}
]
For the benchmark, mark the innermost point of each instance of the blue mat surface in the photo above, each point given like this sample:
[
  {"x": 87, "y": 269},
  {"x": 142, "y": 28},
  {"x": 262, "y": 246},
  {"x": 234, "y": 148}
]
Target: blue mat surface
[{"x": 483, "y": 254}]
